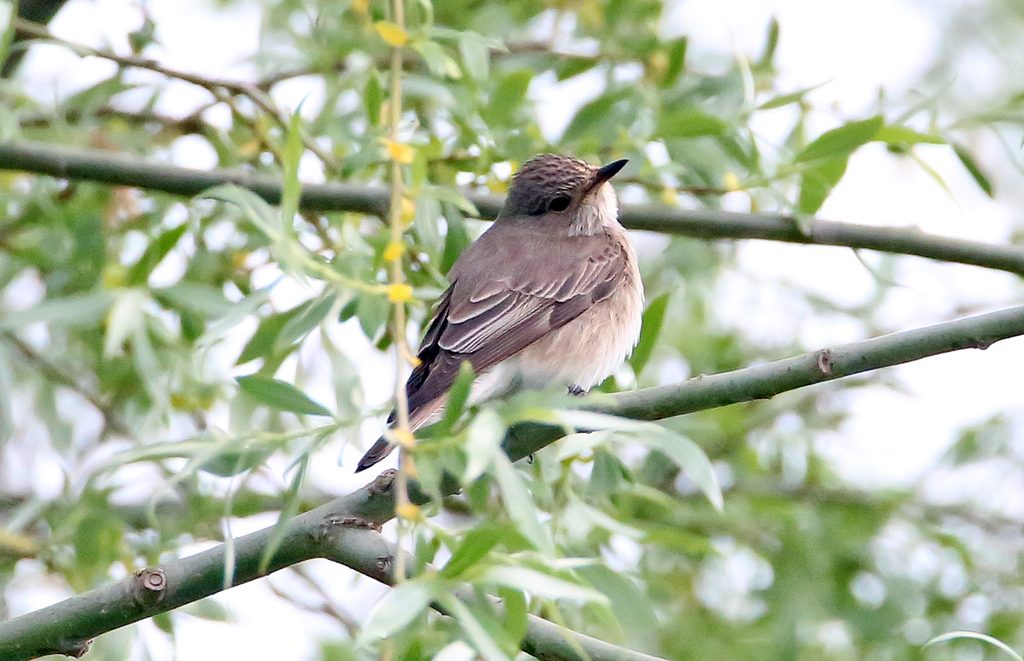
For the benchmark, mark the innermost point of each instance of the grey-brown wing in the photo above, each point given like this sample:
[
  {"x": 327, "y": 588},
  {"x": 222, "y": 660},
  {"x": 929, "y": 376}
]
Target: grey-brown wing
[{"x": 508, "y": 291}]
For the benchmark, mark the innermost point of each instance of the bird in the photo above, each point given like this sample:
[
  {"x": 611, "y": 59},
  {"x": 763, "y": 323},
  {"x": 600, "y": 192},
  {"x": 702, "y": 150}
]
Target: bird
[{"x": 549, "y": 294}]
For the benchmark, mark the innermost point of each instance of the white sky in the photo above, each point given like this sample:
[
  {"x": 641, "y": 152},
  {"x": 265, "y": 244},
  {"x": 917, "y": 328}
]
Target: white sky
[{"x": 891, "y": 438}]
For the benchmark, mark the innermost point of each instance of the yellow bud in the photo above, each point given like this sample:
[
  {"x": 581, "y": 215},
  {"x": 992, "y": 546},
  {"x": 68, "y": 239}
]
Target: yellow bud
[
  {"x": 399, "y": 292},
  {"x": 409, "y": 466},
  {"x": 732, "y": 182},
  {"x": 408, "y": 211},
  {"x": 361, "y": 7},
  {"x": 394, "y": 251},
  {"x": 392, "y": 33},
  {"x": 658, "y": 63},
  {"x": 669, "y": 196},
  {"x": 408, "y": 511},
  {"x": 399, "y": 152}
]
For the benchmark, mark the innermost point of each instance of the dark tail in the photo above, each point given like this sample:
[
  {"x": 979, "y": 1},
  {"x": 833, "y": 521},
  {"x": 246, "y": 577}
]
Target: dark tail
[{"x": 377, "y": 451}]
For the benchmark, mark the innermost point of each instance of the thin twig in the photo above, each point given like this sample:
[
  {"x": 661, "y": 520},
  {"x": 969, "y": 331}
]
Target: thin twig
[{"x": 110, "y": 418}]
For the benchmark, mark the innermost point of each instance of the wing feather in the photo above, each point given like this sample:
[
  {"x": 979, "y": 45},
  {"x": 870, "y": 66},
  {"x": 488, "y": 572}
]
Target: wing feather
[{"x": 509, "y": 289}]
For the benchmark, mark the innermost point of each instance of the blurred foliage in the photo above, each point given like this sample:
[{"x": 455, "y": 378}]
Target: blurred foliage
[{"x": 164, "y": 363}]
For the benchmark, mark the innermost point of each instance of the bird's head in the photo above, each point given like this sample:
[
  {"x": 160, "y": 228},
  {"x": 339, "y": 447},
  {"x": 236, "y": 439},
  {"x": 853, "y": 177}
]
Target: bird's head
[{"x": 561, "y": 191}]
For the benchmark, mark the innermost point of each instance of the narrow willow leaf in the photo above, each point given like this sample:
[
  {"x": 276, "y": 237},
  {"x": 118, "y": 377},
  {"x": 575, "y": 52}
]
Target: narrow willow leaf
[
  {"x": 76, "y": 310},
  {"x": 259, "y": 213},
  {"x": 458, "y": 395},
  {"x": 476, "y": 57},
  {"x": 126, "y": 315},
  {"x": 894, "y": 134},
  {"x": 519, "y": 505},
  {"x": 650, "y": 329},
  {"x": 298, "y": 326},
  {"x": 476, "y": 631},
  {"x": 483, "y": 444},
  {"x": 841, "y": 142},
  {"x": 592, "y": 115},
  {"x": 155, "y": 252},
  {"x": 398, "y": 608},
  {"x": 979, "y": 176},
  {"x": 540, "y": 584},
  {"x": 207, "y": 300},
  {"x": 290, "y": 509},
  {"x": 689, "y": 457},
  {"x": 974, "y": 635},
  {"x": 817, "y": 182},
  {"x": 291, "y": 188},
  {"x": 690, "y": 123},
  {"x": 280, "y": 395},
  {"x": 475, "y": 546}
]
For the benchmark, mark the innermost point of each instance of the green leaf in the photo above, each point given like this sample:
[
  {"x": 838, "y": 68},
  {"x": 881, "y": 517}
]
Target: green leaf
[
  {"x": 291, "y": 189},
  {"x": 458, "y": 395},
  {"x": 76, "y": 310},
  {"x": 515, "y": 620},
  {"x": 690, "y": 123},
  {"x": 398, "y": 608},
  {"x": 475, "y": 546},
  {"x": 263, "y": 339},
  {"x": 689, "y": 457},
  {"x": 306, "y": 320},
  {"x": 519, "y": 505},
  {"x": 284, "y": 518},
  {"x": 255, "y": 209},
  {"x": 817, "y": 182},
  {"x": 280, "y": 395},
  {"x": 650, "y": 329},
  {"x": 508, "y": 95},
  {"x": 438, "y": 61},
  {"x": 785, "y": 99},
  {"x": 155, "y": 252},
  {"x": 632, "y": 607},
  {"x": 676, "y": 61},
  {"x": 592, "y": 115},
  {"x": 979, "y": 176},
  {"x": 477, "y": 631},
  {"x": 540, "y": 584},
  {"x": 841, "y": 142},
  {"x": 126, "y": 316},
  {"x": 476, "y": 56},
  {"x": 974, "y": 635},
  {"x": 894, "y": 134},
  {"x": 207, "y": 300},
  {"x": 373, "y": 96}
]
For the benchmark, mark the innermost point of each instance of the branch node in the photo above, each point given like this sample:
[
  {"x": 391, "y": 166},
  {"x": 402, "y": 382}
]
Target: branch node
[
  {"x": 382, "y": 483},
  {"x": 824, "y": 362},
  {"x": 349, "y": 522},
  {"x": 150, "y": 586}
]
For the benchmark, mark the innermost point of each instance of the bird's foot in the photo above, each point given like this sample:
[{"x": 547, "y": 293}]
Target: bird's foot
[{"x": 576, "y": 391}]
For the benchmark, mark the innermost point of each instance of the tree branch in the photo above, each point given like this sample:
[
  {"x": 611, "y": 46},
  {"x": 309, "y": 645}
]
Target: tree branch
[
  {"x": 65, "y": 627},
  {"x": 330, "y": 532},
  {"x": 125, "y": 170}
]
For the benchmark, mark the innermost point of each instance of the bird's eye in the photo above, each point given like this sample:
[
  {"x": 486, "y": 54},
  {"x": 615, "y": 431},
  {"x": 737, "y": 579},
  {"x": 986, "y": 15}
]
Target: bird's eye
[{"x": 560, "y": 203}]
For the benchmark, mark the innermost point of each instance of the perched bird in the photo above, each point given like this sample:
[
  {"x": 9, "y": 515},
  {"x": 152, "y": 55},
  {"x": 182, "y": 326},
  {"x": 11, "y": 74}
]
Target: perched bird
[{"x": 549, "y": 294}]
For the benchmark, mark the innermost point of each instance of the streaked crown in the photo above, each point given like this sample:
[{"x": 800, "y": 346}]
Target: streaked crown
[{"x": 545, "y": 178}]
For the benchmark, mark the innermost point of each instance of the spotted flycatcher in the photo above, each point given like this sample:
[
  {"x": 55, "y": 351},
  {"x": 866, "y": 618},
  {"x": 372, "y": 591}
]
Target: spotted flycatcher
[{"x": 549, "y": 294}]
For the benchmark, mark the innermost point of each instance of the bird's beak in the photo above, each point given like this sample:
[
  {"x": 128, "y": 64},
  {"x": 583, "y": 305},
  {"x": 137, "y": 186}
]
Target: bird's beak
[{"x": 606, "y": 172}]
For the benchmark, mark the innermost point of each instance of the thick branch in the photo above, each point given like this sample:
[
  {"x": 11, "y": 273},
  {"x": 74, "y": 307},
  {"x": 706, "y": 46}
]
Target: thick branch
[
  {"x": 127, "y": 170},
  {"x": 66, "y": 626},
  {"x": 330, "y": 531}
]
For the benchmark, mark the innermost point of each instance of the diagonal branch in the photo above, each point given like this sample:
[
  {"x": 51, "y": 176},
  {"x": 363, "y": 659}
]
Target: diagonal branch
[
  {"x": 326, "y": 532},
  {"x": 65, "y": 627},
  {"x": 126, "y": 170}
]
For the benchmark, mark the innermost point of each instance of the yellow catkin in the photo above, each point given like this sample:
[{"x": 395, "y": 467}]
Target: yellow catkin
[
  {"x": 732, "y": 182},
  {"x": 408, "y": 511},
  {"x": 394, "y": 251},
  {"x": 399, "y": 152},
  {"x": 399, "y": 292},
  {"x": 408, "y": 212},
  {"x": 392, "y": 33}
]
